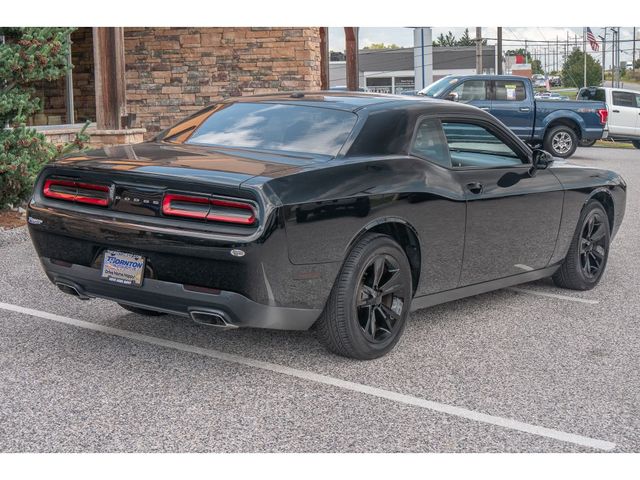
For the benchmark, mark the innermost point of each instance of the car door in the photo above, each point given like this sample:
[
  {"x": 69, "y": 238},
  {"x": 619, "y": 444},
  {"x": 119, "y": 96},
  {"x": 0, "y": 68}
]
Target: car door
[
  {"x": 513, "y": 216},
  {"x": 510, "y": 105},
  {"x": 624, "y": 113},
  {"x": 473, "y": 92}
]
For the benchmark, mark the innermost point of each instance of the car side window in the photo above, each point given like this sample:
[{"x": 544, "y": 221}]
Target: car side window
[
  {"x": 430, "y": 143},
  {"x": 510, "y": 90},
  {"x": 638, "y": 100},
  {"x": 623, "y": 99},
  {"x": 474, "y": 146},
  {"x": 471, "y": 90}
]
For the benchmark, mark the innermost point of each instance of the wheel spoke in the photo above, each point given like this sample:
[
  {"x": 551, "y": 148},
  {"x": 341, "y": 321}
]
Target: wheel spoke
[
  {"x": 392, "y": 285},
  {"x": 368, "y": 324},
  {"x": 390, "y": 313},
  {"x": 385, "y": 318},
  {"x": 378, "y": 271},
  {"x": 598, "y": 234},
  {"x": 583, "y": 245},
  {"x": 367, "y": 296}
]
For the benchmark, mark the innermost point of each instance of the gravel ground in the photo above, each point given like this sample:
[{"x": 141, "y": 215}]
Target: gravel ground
[{"x": 547, "y": 361}]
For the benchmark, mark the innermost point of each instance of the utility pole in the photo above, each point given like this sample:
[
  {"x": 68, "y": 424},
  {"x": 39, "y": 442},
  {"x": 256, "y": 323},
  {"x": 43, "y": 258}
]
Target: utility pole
[
  {"x": 479, "y": 50},
  {"x": 604, "y": 49},
  {"x": 584, "y": 54},
  {"x": 499, "y": 47},
  {"x": 633, "y": 57},
  {"x": 525, "y": 51}
]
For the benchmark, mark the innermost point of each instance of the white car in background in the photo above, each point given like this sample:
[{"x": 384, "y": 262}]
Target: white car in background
[{"x": 624, "y": 112}]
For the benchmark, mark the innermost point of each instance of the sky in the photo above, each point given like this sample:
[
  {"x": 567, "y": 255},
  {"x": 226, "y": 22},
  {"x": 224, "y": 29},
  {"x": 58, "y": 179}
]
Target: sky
[{"x": 404, "y": 37}]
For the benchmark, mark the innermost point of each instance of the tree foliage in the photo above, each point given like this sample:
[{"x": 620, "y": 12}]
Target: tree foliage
[
  {"x": 573, "y": 70},
  {"x": 27, "y": 55},
  {"x": 536, "y": 67},
  {"x": 450, "y": 40},
  {"x": 381, "y": 46}
]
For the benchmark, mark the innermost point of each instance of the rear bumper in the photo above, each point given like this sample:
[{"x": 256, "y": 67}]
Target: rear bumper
[{"x": 177, "y": 299}]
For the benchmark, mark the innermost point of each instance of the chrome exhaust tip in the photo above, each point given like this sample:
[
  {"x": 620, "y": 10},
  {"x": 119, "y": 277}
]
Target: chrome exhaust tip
[
  {"x": 212, "y": 319},
  {"x": 71, "y": 290}
]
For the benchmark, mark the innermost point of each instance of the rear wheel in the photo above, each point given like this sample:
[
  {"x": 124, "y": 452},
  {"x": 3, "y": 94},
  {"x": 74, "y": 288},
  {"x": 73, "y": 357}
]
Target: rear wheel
[
  {"x": 367, "y": 309},
  {"x": 587, "y": 143},
  {"x": 561, "y": 141},
  {"x": 587, "y": 256},
  {"x": 636, "y": 143},
  {"x": 141, "y": 311}
]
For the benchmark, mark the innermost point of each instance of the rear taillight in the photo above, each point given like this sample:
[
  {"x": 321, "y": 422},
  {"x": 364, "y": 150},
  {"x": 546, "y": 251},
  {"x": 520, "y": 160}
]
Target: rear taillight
[
  {"x": 210, "y": 209},
  {"x": 604, "y": 115},
  {"x": 80, "y": 192}
]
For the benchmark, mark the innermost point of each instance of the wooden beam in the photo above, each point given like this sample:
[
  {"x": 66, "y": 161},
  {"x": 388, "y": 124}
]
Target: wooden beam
[
  {"x": 109, "y": 70},
  {"x": 351, "y": 37},
  {"x": 324, "y": 58}
]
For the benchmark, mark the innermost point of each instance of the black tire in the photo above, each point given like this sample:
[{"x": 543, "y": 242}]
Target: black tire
[
  {"x": 587, "y": 256},
  {"x": 587, "y": 143},
  {"x": 141, "y": 311},
  {"x": 359, "y": 320},
  {"x": 561, "y": 141},
  {"x": 636, "y": 143}
]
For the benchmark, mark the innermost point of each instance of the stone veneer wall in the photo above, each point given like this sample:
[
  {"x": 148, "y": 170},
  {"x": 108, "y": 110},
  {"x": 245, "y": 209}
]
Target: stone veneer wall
[{"x": 173, "y": 72}]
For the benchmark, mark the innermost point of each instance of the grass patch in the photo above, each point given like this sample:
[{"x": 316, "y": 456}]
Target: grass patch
[{"x": 610, "y": 144}]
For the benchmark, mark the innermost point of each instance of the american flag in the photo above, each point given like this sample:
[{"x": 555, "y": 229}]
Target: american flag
[{"x": 595, "y": 46}]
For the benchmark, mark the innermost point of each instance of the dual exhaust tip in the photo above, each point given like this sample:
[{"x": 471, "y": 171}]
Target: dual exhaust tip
[{"x": 210, "y": 318}]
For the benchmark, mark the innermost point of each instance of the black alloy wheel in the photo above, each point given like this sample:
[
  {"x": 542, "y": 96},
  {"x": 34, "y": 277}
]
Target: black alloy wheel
[
  {"x": 586, "y": 259},
  {"x": 378, "y": 306},
  {"x": 587, "y": 143},
  {"x": 369, "y": 303},
  {"x": 593, "y": 244}
]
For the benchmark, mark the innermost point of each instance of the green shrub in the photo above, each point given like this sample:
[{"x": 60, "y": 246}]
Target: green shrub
[{"x": 27, "y": 55}]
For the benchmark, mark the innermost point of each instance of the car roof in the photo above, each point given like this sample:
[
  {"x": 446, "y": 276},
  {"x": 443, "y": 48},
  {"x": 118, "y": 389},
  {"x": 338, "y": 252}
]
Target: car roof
[{"x": 337, "y": 100}]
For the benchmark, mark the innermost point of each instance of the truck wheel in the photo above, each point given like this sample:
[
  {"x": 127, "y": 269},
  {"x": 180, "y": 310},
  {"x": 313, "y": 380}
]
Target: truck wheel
[
  {"x": 141, "y": 311},
  {"x": 636, "y": 143},
  {"x": 587, "y": 143},
  {"x": 367, "y": 309},
  {"x": 587, "y": 256},
  {"x": 561, "y": 141}
]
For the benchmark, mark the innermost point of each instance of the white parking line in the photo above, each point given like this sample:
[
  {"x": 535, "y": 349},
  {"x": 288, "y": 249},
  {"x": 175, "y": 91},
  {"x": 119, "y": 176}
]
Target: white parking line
[
  {"x": 326, "y": 380},
  {"x": 553, "y": 295}
]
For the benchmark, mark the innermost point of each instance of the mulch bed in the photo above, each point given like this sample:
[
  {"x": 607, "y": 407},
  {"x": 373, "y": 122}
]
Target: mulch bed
[{"x": 11, "y": 219}]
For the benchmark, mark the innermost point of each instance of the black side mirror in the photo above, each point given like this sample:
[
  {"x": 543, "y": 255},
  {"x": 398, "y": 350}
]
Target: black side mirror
[{"x": 540, "y": 160}]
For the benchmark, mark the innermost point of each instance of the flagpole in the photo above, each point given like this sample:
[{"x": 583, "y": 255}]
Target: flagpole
[{"x": 584, "y": 50}]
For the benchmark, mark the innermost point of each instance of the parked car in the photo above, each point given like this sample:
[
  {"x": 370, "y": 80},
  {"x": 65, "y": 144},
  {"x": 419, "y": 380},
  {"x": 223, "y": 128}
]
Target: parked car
[
  {"x": 556, "y": 125},
  {"x": 624, "y": 111},
  {"x": 538, "y": 81},
  {"x": 342, "y": 210},
  {"x": 550, "y": 96}
]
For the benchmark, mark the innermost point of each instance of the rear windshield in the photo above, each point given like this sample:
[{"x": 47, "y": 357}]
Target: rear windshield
[
  {"x": 264, "y": 126},
  {"x": 592, "y": 94}
]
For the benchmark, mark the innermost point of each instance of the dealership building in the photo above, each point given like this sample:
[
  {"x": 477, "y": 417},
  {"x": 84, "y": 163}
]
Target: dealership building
[{"x": 393, "y": 70}]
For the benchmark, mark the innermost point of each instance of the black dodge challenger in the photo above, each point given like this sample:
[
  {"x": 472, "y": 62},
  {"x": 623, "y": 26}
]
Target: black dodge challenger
[{"x": 341, "y": 210}]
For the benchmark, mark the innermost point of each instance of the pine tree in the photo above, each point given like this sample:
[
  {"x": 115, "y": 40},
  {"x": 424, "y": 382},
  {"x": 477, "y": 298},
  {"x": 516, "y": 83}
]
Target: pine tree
[
  {"x": 27, "y": 55},
  {"x": 573, "y": 70}
]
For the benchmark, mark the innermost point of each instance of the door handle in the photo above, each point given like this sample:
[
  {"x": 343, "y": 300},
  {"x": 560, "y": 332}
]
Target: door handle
[
  {"x": 525, "y": 109},
  {"x": 616, "y": 111},
  {"x": 475, "y": 187}
]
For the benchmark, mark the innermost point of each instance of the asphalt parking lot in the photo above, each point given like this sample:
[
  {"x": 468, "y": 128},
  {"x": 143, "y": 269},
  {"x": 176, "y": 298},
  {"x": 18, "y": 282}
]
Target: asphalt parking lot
[{"x": 533, "y": 369}]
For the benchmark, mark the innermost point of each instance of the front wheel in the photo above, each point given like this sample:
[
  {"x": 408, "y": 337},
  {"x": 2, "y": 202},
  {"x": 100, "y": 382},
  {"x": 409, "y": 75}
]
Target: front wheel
[
  {"x": 636, "y": 143},
  {"x": 587, "y": 256},
  {"x": 367, "y": 309},
  {"x": 561, "y": 141}
]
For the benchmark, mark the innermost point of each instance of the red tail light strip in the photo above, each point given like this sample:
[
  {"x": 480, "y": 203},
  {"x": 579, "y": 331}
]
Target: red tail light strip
[
  {"x": 209, "y": 209},
  {"x": 604, "y": 115},
  {"x": 76, "y": 192}
]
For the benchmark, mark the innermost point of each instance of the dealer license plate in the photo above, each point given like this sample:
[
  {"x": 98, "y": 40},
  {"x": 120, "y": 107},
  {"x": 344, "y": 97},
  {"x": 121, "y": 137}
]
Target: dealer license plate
[{"x": 123, "y": 268}]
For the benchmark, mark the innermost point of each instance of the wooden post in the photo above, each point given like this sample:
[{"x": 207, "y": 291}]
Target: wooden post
[
  {"x": 351, "y": 37},
  {"x": 109, "y": 65},
  {"x": 324, "y": 58}
]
